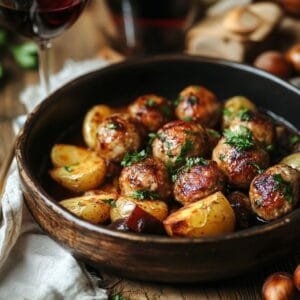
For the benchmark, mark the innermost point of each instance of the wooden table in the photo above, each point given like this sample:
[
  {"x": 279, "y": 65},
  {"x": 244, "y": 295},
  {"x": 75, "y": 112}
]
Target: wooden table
[{"x": 83, "y": 41}]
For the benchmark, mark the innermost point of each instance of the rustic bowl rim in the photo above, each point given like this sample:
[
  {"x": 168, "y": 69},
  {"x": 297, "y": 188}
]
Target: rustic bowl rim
[{"x": 35, "y": 186}]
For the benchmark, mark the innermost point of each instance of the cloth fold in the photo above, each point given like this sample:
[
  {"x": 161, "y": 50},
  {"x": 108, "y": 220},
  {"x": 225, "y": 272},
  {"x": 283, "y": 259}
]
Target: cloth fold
[{"x": 32, "y": 265}]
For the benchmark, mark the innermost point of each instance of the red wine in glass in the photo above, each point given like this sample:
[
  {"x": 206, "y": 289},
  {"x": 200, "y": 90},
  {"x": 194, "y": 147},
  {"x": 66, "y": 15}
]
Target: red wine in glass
[{"x": 41, "y": 20}]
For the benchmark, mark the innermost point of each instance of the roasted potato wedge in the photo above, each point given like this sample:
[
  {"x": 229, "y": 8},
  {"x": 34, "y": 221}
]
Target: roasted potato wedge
[
  {"x": 210, "y": 216},
  {"x": 68, "y": 155},
  {"x": 94, "y": 208},
  {"x": 91, "y": 121},
  {"x": 76, "y": 168},
  {"x": 233, "y": 106},
  {"x": 292, "y": 160},
  {"x": 125, "y": 205}
]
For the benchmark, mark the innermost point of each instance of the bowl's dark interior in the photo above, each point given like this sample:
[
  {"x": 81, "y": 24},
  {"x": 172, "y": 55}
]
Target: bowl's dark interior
[
  {"x": 177, "y": 260},
  {"x": 120, "y": 84}
]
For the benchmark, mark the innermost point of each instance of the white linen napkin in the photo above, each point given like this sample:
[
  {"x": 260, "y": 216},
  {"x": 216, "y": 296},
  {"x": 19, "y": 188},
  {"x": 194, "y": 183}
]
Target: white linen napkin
[{"x": 32, "y": 265}]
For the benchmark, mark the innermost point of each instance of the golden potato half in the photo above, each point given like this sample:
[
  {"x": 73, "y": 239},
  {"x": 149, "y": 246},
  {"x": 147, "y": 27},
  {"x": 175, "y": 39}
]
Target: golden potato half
[
  {"x": 125, "y": 205},
  {"x": 76, "y": 168},
  {"x": 93, "y": 208},
  {"x": 210, "y": 216},
  {"x": 91, "y": 121}
]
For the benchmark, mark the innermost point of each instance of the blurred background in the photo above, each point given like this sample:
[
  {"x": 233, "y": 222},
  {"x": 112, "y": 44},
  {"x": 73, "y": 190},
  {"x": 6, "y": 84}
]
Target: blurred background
[{"x": 261, "y": 33}]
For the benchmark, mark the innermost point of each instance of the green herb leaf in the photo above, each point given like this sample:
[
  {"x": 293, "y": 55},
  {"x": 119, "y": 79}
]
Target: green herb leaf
[
  {"x": 189, "y": 163},
  {"x": 213, "y": 133},
  {"x": 117, "y": 297},
  {"x": 112, "y": 126},
  {"x": 227, "y": 112},
  {"x": 244, "y": 115},
  {"x": 294, "y": 139},
  {"x": 188, "y": 119},
  {"x": 3, "y": 38},
  {"x": 145, "y": 195},
  {"x": 111, "y": 202},
  {"x": 177, "y": 100},
  {"x": 222, "y": 157},
  {"x": 242, "y": 139},
  {"x": 285, "y": 187},
  {"x": 133, "y": 157},
  {"x": 1, "y": 70},
  {"x": 192, "y": 100},
  {"x": 151, "y": 103},
  {"x": 257, "y": 166},
  {"x": 26, "y": 55},
  {"x": 68, "y": 169},
  {"x": 185, "y": 149},
  {"x": 166, "y": 111}
]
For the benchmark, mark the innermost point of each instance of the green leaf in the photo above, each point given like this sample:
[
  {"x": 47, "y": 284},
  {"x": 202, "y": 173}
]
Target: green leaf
[
  {"x": 1, "y": 70},
  {"x": 294, "y": 139},
  {"x": 3, "y": 38},
  {"x": 284, "y": 186},
  {"x": 117, "y": 297},
  {"x": 244, "y": 115},
  {"x": 134, "y": 157},
  {"x": 111, "y": 202},
  {"x": 112, "y": 126},
  {"x": 185, "y": 149},
  {"x": 145, "y": 195},
  {"x": 26, "y": 55},
  {"x": 242, "y": 139}
]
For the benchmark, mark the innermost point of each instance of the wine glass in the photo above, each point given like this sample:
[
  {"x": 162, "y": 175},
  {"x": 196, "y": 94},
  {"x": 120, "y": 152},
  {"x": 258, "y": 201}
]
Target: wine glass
[{"x": 41, "y": 20}]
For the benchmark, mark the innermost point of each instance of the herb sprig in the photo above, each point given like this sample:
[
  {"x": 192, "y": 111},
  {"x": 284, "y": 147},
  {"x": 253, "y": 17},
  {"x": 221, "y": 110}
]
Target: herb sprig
[
  {"x": 242, "y": 139},
  {"x": 189, "y": 163},
  {"x": 284, "y": 186},
  {"x": 185, "y": 149},
  {"x": 131, "y": 158},
  {"x": 111, "y": 202},
  {"x": 145, "y": 195}
]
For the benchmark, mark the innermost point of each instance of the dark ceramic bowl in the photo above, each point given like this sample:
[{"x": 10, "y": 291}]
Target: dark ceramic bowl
[{"x": 147, "y": 257}]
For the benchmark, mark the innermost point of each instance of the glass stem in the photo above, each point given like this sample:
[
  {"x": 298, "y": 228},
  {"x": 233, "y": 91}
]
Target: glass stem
[{"x": 44, "y": 66}]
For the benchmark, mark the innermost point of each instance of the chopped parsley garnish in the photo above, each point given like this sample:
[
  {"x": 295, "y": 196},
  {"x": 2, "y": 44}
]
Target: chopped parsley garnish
[
  {"x": 145, "y": 195},
  {"x": 257, "y": 166},
  {"x": 178, "y": 100},
  {"x": 192, "y": 100},
  {"x": 151, "y": 103},
  {"x": 68, "y": 169},
  {"x": 242, "y": 139},
  {"x": 222, "y": 157},
  {"x": 166, "y": 111},
  {"x": 190, "y": 132},
  {"x": 188, "y": 119},
  {"x": 213, "y": 133},
  {"x": 152, "y": 136},
  {"x": 244, "y": 115},
  {"x": 284, "y": 186},
  {"x": 117, "y": 297},
  {"x": 112, "y": 126},
  {"x": 185, "y": 149},
  {"x": 133, "y": 157},
  {"x": 111, "y": 202},
  {"x": 227, "y": 112},
  {"x": 189, "y": 163},
  {"x": 294, "y": 139}
]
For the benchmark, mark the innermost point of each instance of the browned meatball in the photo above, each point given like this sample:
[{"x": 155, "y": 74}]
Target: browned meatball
[
  {"x": 117, "y": 135},
  {"x": 151, "y": 111},
  {"x": 177, "y": 140},
  {"x": 198, "y": 104},
  {"x": 240, "y": 165},
  {"x": 149, "y": 175},
  {"x": 275, "y": 192},
  {"x": 260, "y": 125},
  {"x": 198, "y": 179}
]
